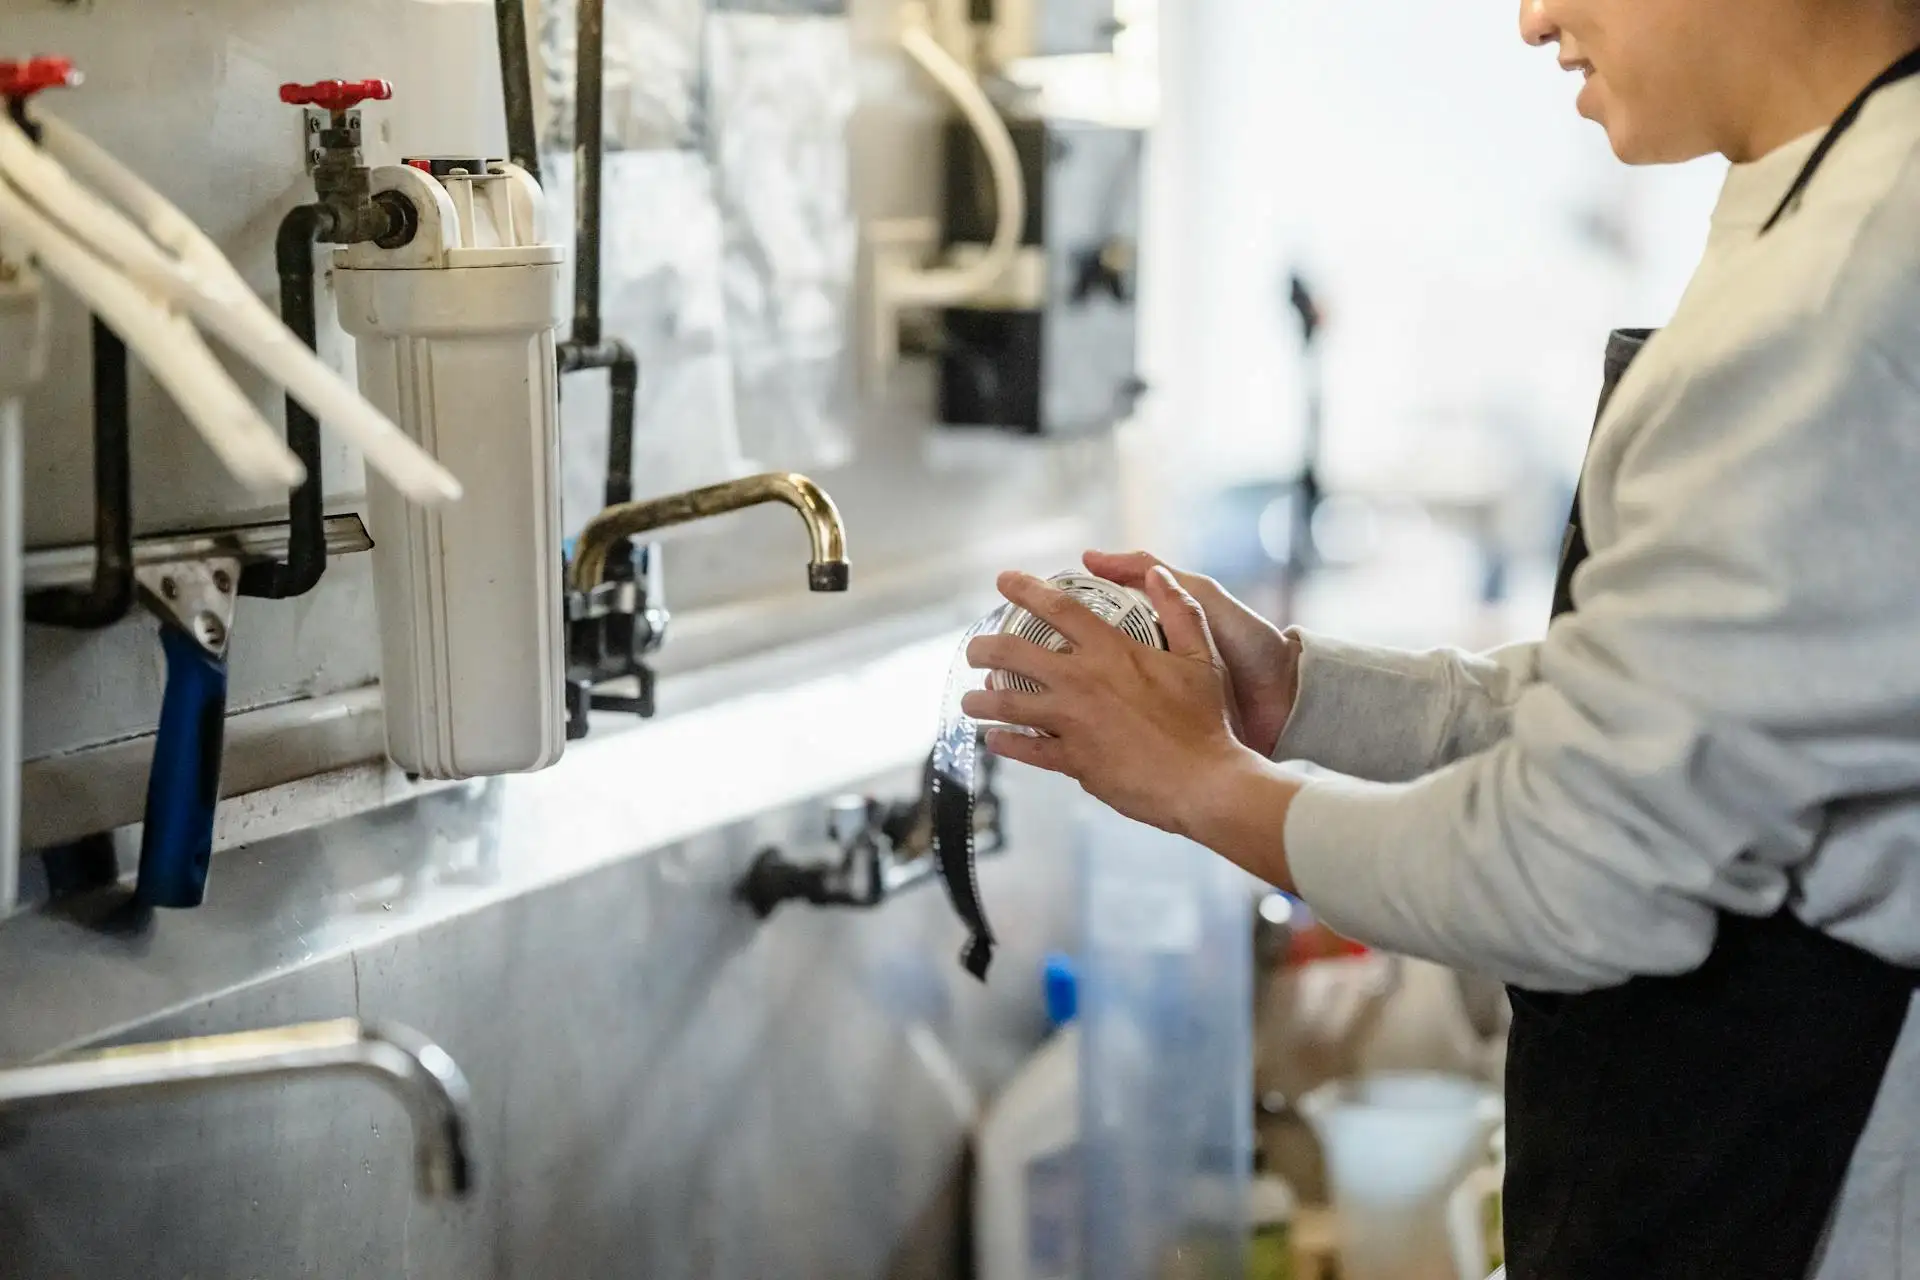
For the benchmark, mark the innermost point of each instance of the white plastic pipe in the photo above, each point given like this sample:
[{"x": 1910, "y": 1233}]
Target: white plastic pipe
[
  {"x": 951, "y": 286},
  {"x": 205, "y": 282},
  {"x": 167, "y": 344},
  {"x": 83, "y": 215},
  {"x": 22, "y": 356},
  {"x": 12, "y": 549}
]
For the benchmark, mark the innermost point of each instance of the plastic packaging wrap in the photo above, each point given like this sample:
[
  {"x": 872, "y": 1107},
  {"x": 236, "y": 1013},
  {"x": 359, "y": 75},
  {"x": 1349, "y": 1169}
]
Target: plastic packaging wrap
[
  {"x": 779, "y": 93},
  {"x": 955, "y": 769},
  {"x": 660, "y": 293},
  {"x": 652, "y": 74},
  {"x": 727, "y": 240}
]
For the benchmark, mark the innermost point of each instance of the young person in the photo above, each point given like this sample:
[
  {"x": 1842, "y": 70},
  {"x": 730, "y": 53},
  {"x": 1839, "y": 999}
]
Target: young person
[{"x": 1684, "y": 826}]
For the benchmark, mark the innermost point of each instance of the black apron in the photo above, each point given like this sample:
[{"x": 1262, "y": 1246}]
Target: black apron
[{"x": 1696, "y": 1127}]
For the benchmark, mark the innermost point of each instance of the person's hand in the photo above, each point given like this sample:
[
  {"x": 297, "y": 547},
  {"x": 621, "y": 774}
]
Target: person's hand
[
  {"x": 1141, "y": 729},
  {"x": 1150, "y": 732},
  {"x": 1263, "y": 663}
]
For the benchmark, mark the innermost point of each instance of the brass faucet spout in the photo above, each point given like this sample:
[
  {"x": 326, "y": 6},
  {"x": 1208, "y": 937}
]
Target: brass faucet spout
[{"x": 828, "y": 569}]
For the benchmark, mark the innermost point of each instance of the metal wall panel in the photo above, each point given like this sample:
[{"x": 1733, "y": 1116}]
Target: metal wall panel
[
  {"x": 188, "y": 96},
  {"x": 663, "y": 1087}
]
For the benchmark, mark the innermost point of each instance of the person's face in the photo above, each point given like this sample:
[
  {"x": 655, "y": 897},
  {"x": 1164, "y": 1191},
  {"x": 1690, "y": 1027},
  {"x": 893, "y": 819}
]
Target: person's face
[{"x": 1649, "y": 68}]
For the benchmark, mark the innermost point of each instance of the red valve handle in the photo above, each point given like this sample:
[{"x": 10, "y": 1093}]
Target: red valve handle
[
  {"x": 23, "y": 79},
  {"x": 336, "y": 95}
]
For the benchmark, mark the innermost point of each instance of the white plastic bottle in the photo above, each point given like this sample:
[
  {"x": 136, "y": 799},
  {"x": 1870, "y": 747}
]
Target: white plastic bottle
[
  {"x": 455, "y": 338},
  {"x": 1027, "y": 1210}
]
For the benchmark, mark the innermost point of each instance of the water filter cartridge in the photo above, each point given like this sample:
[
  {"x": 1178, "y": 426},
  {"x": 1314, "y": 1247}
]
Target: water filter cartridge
[{"x": 455, "y": 337}]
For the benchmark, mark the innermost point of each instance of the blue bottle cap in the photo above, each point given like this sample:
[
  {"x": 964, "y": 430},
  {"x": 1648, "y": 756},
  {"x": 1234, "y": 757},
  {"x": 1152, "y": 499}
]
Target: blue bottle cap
[{"x": 1062, "y": 990}]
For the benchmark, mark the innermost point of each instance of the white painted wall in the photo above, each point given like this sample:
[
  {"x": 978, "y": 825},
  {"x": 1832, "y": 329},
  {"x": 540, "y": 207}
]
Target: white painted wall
[{"x": 1430, "y": 172}]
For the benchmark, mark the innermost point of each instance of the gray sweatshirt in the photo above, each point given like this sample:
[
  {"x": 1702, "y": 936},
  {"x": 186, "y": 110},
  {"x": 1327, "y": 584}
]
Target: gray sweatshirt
[{"x": 1731, "y": 720}]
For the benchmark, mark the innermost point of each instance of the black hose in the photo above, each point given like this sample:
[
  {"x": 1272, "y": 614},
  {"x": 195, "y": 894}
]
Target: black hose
[
  {"x": 306, "y": 561},
  {"x": 623, "y": 375},
  {"x": 516, "y": 84},
  {"x": 611, "y": 645},
  {"x": 110, "y": 596},
  {"x": 17, "y": 109},
  {"x": 589, "y": 148}
]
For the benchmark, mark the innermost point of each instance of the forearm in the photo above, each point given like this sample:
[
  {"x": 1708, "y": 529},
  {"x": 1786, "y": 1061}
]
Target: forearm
[{"x": 1241, "y": 813}]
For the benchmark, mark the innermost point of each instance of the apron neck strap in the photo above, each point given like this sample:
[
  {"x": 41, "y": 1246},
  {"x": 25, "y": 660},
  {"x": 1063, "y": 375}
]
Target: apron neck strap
[{"x": 1905, "y": 69}]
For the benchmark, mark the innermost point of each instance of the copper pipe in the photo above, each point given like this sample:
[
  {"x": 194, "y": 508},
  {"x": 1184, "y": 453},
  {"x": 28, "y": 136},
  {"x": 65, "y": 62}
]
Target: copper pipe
[{"x": 828, "y": 570}]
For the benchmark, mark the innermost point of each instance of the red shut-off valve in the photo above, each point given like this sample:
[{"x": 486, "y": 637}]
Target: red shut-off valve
[
  {"x": 336, "y": 95},
  {"x": 26, "y": 77}
]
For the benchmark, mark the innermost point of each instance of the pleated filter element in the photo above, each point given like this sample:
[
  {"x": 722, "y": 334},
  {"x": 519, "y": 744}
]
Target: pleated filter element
[
  {"x": 1113, "y": 604},
  {"x": 956, "y": 753}
]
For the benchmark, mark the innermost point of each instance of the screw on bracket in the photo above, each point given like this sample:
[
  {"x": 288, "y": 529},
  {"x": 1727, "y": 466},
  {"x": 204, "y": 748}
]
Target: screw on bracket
[
  {"x": 318, "y": 122},
  {"x": 331, "y": 109}
]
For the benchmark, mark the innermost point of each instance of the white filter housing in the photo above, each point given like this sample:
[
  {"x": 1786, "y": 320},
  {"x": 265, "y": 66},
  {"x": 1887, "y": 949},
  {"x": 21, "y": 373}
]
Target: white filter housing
[
  {"x": 455, "y": 332},
  {"x": 23, "y": 352}
]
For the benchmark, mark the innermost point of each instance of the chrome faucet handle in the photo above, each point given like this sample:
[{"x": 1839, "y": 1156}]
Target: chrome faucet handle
[{"x": 849, "y": 820}]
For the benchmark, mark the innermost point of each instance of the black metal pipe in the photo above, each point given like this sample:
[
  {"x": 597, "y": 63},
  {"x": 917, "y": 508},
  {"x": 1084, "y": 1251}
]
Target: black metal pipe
[
  {"x": 623, "y": 377},
  {"x": 306, "y": 561},
  {"x": 516, "y": 84},
  {"x": 110, "y": 596},
  {"x": 585, "y": 347},
  {"x": 609, "y": 646},
  {"x": 574, "y": 357},
  {"x": 589, "y": 152},
  {"x": 17, "y": 109}
]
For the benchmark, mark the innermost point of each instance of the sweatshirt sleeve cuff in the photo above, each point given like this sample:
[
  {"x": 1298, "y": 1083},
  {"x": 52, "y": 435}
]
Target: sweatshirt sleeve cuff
[
  {"x": 1362, "y": 711},
  {"x": 1345, "y": 842}
]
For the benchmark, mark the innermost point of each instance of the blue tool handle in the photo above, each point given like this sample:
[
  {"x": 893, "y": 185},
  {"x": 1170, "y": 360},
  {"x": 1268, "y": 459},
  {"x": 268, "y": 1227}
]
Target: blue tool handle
[{"x": 183, "y": 786}]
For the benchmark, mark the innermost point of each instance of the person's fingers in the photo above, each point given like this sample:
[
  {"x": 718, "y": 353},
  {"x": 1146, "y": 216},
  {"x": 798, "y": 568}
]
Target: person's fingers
[
  {"x": 1041, "y": 753},
  {"x": 1181, "y": 616},
  {"x": 1013, "y": 706},
  {"x": 1128, "y": 568},
  {"x": 1081, "y": 626},
  {"x": 1019, "y": 656}
]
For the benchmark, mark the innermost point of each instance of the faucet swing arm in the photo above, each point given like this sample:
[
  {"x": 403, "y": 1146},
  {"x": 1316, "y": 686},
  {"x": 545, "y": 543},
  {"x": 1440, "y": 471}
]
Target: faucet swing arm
[{"x": 416, "y": 1071}]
